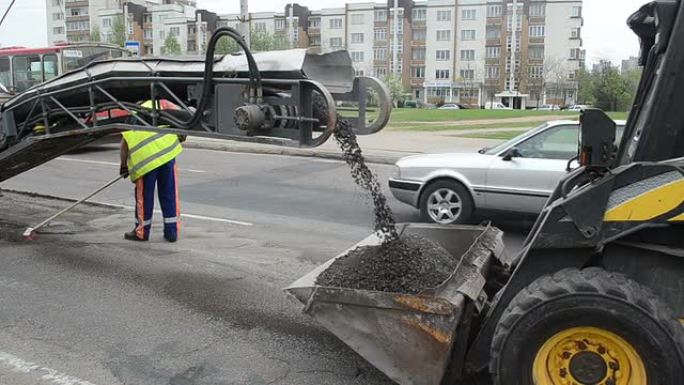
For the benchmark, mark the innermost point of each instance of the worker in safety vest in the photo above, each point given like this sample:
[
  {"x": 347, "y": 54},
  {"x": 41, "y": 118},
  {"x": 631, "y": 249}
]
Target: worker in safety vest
[{"x": 149, "y": 158}]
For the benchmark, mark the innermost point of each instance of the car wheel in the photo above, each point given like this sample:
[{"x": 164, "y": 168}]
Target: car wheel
[
  {"x": 446, "y": 202},
  {"x": 587, "y": 327}
]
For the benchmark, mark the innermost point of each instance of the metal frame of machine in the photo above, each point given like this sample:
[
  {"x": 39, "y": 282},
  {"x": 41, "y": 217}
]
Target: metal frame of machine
[{"x": 285, "y": 98}]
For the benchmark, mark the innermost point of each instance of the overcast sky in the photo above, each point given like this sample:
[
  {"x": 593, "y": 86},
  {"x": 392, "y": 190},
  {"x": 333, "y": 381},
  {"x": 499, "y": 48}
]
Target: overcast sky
[{"x": 605, "y": 33}]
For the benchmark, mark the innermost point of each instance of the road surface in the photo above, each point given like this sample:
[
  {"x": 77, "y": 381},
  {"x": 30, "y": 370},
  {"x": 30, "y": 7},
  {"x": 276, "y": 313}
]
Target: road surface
[{"x": 82, "y": 306}]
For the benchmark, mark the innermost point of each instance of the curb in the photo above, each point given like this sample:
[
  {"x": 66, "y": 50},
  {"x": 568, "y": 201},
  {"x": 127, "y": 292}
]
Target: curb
[{"x": 289, "y": 151}]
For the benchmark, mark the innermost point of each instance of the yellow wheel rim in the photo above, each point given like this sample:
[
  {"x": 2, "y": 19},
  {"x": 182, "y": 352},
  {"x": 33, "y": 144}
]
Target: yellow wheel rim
[{"x": 588, "y": 356}]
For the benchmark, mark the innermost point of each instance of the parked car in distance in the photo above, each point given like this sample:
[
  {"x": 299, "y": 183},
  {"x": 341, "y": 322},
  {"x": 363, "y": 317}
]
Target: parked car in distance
[
  {"x": 452, "y": 106},
  {"x": 577, "y": 107},
  {"x": 516, "y": 176},
  {"x": 496, "y": 106},
  {"x": 548, "y": 107}
]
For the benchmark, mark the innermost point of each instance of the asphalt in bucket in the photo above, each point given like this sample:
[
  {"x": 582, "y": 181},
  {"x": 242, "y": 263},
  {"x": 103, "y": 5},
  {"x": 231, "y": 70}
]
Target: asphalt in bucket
[{"x": 407, "y": 264}]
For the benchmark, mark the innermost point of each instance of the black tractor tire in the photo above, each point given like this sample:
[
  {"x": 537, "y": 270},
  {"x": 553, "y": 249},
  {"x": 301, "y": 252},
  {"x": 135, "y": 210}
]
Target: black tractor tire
[
  {"x": 467, "y": 206},
  {"x": 575, "y": 300}
]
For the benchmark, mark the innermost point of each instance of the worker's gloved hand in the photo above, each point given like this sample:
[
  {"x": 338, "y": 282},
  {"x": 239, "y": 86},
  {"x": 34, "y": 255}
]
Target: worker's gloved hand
[{"x": 123, "y": 170}]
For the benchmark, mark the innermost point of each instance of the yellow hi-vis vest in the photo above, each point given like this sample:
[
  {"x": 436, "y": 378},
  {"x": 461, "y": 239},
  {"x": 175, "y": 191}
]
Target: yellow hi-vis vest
[{"x": 149, "y": 150}]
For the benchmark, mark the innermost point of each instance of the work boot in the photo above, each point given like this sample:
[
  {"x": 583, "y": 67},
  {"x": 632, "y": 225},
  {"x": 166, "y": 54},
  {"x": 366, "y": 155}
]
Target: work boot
[
  {"x": 171, "y": 237},
  {"x": 131, "y": 236}
]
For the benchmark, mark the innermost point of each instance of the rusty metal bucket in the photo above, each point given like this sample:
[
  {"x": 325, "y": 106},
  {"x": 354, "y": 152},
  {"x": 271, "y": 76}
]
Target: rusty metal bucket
[{"x": 408, "y": 337}]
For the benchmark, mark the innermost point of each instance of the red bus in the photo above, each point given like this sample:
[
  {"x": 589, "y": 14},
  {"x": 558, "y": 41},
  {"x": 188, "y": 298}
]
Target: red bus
[{"x": 22, "y": 68}]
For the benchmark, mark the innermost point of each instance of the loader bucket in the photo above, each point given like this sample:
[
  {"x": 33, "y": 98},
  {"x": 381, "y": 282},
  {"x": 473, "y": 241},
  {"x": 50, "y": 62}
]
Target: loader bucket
[{"x": 408, "y": 337}]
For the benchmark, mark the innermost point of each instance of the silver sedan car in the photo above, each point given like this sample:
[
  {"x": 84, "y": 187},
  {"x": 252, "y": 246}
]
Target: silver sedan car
[{"x": 516, "y": 176}]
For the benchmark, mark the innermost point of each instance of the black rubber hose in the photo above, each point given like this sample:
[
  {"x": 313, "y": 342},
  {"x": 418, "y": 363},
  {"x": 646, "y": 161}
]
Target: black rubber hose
[{"x": 254, "y": 74}]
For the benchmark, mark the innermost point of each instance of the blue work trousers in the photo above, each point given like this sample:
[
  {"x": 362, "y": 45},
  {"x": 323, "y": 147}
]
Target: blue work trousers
[{"x": 165, "y": 178}]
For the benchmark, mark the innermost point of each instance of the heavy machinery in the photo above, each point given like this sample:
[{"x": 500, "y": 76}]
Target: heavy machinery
[
  {"x": 285, "y": 98},
  {"x": 595, "y": 297}
]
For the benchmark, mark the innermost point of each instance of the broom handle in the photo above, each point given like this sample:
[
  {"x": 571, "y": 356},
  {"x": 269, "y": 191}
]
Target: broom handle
[{"x": 78, "y": 202}]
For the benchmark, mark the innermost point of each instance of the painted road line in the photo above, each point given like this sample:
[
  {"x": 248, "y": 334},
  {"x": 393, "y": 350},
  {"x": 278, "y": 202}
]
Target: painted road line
[
  {"x": 51, "y": 375},
  {"x": 102, "y": 162},
  {"x": 191, "y": 216}
]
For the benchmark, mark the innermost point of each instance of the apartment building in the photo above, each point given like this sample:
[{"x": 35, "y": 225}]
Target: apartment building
[{"x": 522, "y": 53}]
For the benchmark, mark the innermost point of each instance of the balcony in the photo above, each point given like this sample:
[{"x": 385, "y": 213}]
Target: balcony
[
  {"x": 76, "y": 3},
  {"x": 77, "y": 18}
]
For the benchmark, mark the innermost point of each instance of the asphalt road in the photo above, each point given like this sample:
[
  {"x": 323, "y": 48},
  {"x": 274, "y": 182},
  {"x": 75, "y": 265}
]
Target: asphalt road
[{"x": 82, "y": 306}]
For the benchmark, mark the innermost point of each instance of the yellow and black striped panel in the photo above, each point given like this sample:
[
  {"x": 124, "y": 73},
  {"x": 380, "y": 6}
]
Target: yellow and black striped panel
[{"x": 661, "y": 197}]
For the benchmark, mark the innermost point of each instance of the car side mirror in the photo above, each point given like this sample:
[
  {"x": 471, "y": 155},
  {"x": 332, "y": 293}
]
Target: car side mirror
[{"x": 510, "y": 154}]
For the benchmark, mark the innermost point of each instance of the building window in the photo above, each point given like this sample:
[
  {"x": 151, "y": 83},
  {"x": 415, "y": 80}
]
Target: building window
[
  {"x": 443, "y": 54},
  {"x": 494, "y": 10},
  {"x": 147, "y": 34},
  {"x": 79, "y": 11},
  {"x": 357, "y": 56},
  {"x": 314, "y": 22},
  {"x": 357, "y": 38},
  {"x": 575, "y": 33},
  {"x": 106, "y": 23},
  {"x": 443, "y": 15},
  {"x": 418, "y": 14},
  {"x": 58, "y": 30},
  {"x": 468, "y": 14},
  {"x": 260, "y": 26},
  {"x": 442, "y": 74},
  {"x": 380, "y": 15},
  {"x": 280, "y": 24},
  {"x": 56, "y": 3},
  {"x": 174, "y": 31},
  {"x": 380, "y": 54},
  {"x": 336, "y": 42},
  {"x": 535, "y": 72},
  {"x": 576, "y": 53},
  {"x": 358, "y": 72},
  {"x": 467, "y": 34},
  {"x": 509, "y": 43},
  {"x": 467, "y": 74},
  {"x": 493, "y": 33},
  {"x": 418, "y": 72},
  {"x": 78, "y": 25},
  {"x": 380, "y": 72},
  {"x": 57, "y": 16},
  {"x": 315, "y": 40},
  {"x": 162, "y": 35},
  {"x": 492, "y": 72},
  {"x": 536, "y": 53},
  {"x": 357, "y": 19},
  {"x": 147, "y": 18},
  {"x": 418, "y": 54},
  {"x": 336, "y": 23},
  {"x": 536, "y": 31},
  {"x": 418, "y": 34},
  {"x": 576, "y": 12},
  {"x": 493, "y": 52},
  {"x": 380, "y": 34},
  {"x": 518, "y": 22},
  {"x": 537, "y": 9},
  {"x": 444, "y": 35},
  {"x": 467, "y": 54}
]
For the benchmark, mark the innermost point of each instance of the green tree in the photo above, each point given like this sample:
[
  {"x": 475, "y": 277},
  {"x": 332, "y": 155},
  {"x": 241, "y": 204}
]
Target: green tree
[
  {"x": 396, "y": 88},
  {"x": 95, "y": 35},
  {"x": 610, "y": 89},
  {"x": 226, "y": 45},
  {"x": 261, "y": 41},
  {"x": 585, "y": 87},
  {"x": 171, "y": 45},
  {"x": 118, "y": 35}
]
